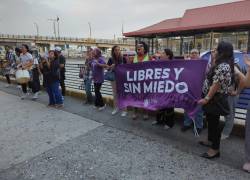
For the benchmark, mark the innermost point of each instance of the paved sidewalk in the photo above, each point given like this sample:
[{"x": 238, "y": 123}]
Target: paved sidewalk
[{"x": 79, "y": 142}]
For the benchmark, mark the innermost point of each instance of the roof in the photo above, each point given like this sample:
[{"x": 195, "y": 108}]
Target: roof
[{"x": 210, "y": 17}]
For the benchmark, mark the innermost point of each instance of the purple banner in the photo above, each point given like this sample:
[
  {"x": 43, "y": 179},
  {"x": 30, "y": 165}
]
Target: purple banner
[{"x": 155, "y": 85}]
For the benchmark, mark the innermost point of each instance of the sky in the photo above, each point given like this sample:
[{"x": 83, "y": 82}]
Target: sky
[{"x": 105, "y": 16}]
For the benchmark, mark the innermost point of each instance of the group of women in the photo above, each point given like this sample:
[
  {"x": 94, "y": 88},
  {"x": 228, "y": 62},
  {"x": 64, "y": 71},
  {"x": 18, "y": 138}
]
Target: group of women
[{"x": 223, "y": 82}]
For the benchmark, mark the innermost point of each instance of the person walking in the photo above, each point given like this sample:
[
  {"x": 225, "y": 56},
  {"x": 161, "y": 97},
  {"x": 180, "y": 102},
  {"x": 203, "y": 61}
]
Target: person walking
[{"x": 215, "y": 92}]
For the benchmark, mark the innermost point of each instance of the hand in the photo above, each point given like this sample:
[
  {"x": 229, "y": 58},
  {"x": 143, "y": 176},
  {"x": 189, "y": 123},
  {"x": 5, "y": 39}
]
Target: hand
[
  {"x": 247, "y": 60},
  {"x": 203, "y": 101},
  {"x": 233, "y": 93}
]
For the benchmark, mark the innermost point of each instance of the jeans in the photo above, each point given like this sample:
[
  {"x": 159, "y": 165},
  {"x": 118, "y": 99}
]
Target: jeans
[
  {"x": 87, "y": 85},
  {"x": 98, "y": 96},
  {"x": 229, "y": 119},
  {"x": 247, "y": 136},
  {"x": 55, "y": 96},
  {"x": 198, "y": 119},
  {"x": 214, "y": 130}
]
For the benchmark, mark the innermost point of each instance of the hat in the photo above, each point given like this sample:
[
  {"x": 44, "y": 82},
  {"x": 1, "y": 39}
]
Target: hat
[{"x": 58, "y": 49}]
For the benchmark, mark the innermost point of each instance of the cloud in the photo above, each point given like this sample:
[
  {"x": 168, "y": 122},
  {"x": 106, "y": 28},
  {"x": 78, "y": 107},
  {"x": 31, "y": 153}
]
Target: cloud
[{"x": 106, "y": 17}]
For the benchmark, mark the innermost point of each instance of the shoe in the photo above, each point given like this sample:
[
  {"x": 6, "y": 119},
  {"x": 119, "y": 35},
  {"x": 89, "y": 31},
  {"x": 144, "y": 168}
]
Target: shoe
[
  {"x": 51, "y": 105},
  {"x": 95, "y": 107},
  {"x": 124, "y": 114},
  {"x": 156, "y": 123},
  {"x": 185, "y": 128},
  {"x": 166, "y": 127},
  {"x": 134, "y": 116},
  {"x": 145, "y": 117},
  {"x": 7, "y": 86},
  {"x": 207, "y": 156},
  {"x": 35, "y": 96},
  {"x": 115, "y": 111},
  {"x": 206, "y": 144},
  {"x": 246, "y": 167},
  {"x": 59, "y": 106},
  {"x": 223, "y": 137},
  {"x": 102, "y": 108},
  {"x": 19, "y": 87},
  {"x": 24, "y": 96}
]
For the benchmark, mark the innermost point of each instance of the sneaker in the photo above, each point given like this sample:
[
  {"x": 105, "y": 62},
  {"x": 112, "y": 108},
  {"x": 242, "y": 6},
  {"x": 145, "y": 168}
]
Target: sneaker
[
  {"x": 246, "y": 167},
  {"x": 124, "y": 114},
  {"x": 95, "y": 107},
  {"x": 24, "y": 96},
  {"x": 19, "y": 87},
  {"x": 115, "y": 111},
  {"x": 223, "y": 136},
  {"x": 35, "y": 96},
  {"x": 155, "y": 123},
  {"x": 102, "y": 108},
  {"x": 7, "y": 85},
  {"x": 166, "y": 127}
]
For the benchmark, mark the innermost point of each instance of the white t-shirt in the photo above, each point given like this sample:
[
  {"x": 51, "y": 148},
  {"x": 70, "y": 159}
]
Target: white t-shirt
[{"x": 24, "y": 58}]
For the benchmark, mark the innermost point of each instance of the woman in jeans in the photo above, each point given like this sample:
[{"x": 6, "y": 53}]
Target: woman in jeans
[
  {"x": 51, "y": 73},
  {"x": 218, "y": 81},
  {"x": 98, "y": 64},
  {"x": 87, "y": 79},
  {"x": 115, "y": 60}
]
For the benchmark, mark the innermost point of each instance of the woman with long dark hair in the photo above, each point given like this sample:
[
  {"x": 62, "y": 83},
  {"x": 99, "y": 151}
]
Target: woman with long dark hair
[
  {"x": 51, "y": 72},
  {"x": 116, "y": 59},
  {"x": 215, "y": 91}
]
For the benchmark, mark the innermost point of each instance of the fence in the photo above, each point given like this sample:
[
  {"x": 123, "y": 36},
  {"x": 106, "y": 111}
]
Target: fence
[{"x": 74, "y": 82}]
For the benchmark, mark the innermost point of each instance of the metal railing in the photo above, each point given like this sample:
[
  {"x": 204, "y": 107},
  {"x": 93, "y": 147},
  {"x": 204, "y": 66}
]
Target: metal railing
[
  {"x": 69, "y": 39},
  {"x": 73, "y": 81}
]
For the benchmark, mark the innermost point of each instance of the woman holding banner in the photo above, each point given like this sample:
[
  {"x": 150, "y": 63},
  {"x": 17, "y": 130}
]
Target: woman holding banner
[
  {"x": 165, "y": 116},
  {"x": 142, "y": 56},
  {"x": 215, "y": 92},
  {"x": 115, "y": 60}
]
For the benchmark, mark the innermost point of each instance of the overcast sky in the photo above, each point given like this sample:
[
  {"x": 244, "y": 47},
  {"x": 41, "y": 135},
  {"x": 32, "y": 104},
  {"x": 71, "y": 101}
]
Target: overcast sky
[{"x": 105, "y": 16}]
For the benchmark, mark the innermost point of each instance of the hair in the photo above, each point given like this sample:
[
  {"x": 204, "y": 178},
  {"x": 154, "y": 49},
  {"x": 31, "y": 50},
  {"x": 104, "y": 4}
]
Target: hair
[
  {"x": 225, "y": 54},
  {"x": 169, "y": 53},
  {"x": 113, "y": 53},
  {"x": 18, "y": 50},
  {"x": 26, "y": 47},
  {"x": 145, "y": 46},
  {"x": 55, "y": 53},
  {"x": 97, "y": 52}
]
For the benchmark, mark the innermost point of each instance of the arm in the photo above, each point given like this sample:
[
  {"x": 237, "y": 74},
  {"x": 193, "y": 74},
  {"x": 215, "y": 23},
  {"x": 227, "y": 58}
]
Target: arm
[{"x": 213, "y": 89}]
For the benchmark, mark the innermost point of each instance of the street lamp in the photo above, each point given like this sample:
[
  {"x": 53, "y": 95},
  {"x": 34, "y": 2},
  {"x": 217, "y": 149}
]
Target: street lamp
[
  {"x": 58, "y": 34},
  {"x": 90, "y": 30},
  {"x": 37, "y": 29},
  {"x": 54, "y": 25}
]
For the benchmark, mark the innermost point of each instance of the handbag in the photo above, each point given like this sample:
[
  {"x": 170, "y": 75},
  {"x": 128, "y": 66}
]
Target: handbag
[
  {"x": 218, "y": 105},
  {"x": 109, "y": 76}
]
